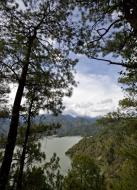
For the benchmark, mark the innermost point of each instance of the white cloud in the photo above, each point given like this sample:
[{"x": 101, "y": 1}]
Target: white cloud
[{"x": 95, "y": 95}]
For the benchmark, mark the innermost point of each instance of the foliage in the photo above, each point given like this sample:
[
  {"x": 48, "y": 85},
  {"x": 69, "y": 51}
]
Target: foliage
[
  {"x": 44, "y": 177},
  {"x": 35, "y": 44},
  {"x": 111, "y": 149},
  {"x": 129, "y": 103},
  {"x": 83, "y": 175},
  {"x": 38, "y": 172},
  {"x": 111, "y": 30},
  {"x": 36, "y": 41},
  {"x": 115, "y": 148}
]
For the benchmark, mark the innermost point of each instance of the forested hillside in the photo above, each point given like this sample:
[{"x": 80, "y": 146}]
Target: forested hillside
[
  {"x": 114, "y": 148},
  {"x": 114, "y": 151},
  {"x": 69, "y": 125}
]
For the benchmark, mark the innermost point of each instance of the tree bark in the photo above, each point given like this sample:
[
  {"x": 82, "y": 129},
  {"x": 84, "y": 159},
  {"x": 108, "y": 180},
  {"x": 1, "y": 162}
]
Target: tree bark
[
  {"x": 22, "y": 159},
  {"x": 11, "y": 141}
]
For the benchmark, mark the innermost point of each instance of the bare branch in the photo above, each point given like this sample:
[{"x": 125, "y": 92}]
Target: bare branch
[
  {"x": 6, "y": 65},
  {"x": 131, "y": 66},
  {"x": 106, "y": 31}
]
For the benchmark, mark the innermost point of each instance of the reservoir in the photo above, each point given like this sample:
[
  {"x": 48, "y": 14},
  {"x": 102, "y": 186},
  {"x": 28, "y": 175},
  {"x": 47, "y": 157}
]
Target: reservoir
[{"x": 59, "y": 145}]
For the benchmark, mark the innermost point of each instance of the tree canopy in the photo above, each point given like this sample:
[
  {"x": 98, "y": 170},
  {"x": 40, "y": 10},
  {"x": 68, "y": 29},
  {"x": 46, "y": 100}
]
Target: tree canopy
[{"x": 37, "y": 39}]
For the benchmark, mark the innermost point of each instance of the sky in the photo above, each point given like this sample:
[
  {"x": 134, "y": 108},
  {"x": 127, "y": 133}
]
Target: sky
[{"x": 97, "y": 92}]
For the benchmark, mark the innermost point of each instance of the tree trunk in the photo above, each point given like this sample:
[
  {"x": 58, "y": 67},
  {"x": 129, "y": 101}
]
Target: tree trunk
[
  {"x": 22, "y": 159},
  {"x": 11, "y": 141},
  {"x": 130, "y": 13}
]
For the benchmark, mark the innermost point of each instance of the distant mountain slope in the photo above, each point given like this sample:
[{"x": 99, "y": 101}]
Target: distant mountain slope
[
  {"x": 84, "y": 126},
  {"x": 4, "y": 125},
  {"x": 71, "y": 126}
]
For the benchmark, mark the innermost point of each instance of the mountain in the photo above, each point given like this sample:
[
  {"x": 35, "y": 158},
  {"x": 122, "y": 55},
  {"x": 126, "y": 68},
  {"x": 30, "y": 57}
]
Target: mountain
[
  {"x": 4, "y": 125},
  {"x": 114, "y": 150},
  {"x": 70, "y": 126}
]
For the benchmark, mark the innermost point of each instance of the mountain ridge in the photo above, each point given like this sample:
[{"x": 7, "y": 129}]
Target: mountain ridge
[{"x": 79, "y": 125}]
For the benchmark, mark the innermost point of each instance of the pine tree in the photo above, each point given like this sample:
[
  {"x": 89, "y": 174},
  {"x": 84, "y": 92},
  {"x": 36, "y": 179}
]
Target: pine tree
[
  {"x": 26, "y": 35},
  {"x": 84, "y": 175},
  {"x": 112, "y": 30}
]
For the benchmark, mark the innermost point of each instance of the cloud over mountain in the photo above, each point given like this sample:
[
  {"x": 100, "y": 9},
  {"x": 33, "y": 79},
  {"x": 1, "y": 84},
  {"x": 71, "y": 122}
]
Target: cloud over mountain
[{"x": 95, "y": 95}]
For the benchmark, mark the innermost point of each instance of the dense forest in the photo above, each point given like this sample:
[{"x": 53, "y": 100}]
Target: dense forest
[
  {"x": 114, "y": 152},
  {"x": 37, "y": 39}
]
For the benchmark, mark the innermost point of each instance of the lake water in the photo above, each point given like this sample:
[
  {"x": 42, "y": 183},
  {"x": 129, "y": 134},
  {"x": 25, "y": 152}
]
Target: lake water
[{"x": 59, "y": 145}]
